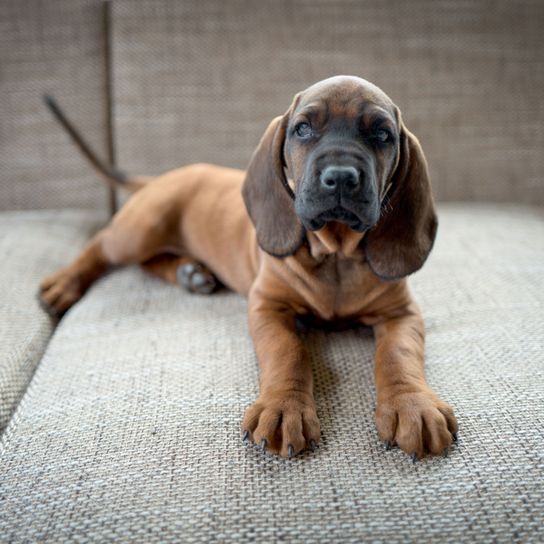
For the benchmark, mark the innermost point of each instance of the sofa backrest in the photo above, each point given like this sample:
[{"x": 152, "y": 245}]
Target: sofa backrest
[
  {"x": 199, "y": 80},
  {"x": 53, "y": 47}
]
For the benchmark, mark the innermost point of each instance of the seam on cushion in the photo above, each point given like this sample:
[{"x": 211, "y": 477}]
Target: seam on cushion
[{"x": 31, "y": 350}]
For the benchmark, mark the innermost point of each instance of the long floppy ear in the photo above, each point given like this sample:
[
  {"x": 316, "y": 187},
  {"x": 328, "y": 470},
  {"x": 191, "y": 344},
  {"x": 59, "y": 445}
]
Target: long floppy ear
[
  {"x": 269, "y": 199},
  {"x": 404, "y": 236}
]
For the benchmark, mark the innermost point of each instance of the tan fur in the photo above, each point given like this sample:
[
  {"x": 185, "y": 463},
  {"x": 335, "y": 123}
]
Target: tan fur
[{"x": 197, "y": 212}]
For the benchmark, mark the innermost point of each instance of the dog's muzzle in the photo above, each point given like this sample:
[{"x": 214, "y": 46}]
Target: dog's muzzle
[{"x": 341, "y": 194}]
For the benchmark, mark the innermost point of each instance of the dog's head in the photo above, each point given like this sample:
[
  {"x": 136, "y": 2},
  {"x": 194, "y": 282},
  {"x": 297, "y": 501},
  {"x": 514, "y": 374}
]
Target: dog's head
[{"x": 341, "y": 153}]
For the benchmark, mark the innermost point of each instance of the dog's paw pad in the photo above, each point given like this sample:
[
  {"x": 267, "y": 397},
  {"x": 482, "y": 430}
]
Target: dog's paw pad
[{"x": 196, "y": 278}]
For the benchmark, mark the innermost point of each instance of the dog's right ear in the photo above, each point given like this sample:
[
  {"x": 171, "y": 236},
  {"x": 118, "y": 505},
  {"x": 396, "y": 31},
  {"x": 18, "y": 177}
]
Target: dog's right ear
[{"x": 269, "y": 199}]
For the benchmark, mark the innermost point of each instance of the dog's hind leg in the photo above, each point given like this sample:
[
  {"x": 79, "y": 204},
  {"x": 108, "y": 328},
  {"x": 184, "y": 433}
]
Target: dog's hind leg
[
  {"x": 183, "y": 271},
  {"x": 120, "y": 243}
]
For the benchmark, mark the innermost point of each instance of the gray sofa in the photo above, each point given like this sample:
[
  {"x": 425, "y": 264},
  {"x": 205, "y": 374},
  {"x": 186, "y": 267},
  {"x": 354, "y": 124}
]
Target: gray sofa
[{"x": 121, "y": 422}]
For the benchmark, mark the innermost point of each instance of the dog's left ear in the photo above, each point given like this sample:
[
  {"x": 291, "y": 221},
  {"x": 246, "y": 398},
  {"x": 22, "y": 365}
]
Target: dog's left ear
[
  {"x": 269, "y": 199},
  {"x": 404, "y": 236}
]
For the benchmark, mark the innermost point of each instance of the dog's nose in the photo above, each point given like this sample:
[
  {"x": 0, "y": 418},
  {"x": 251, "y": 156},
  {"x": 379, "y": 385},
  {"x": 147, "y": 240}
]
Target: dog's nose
[{"x": 334, "y": 178}]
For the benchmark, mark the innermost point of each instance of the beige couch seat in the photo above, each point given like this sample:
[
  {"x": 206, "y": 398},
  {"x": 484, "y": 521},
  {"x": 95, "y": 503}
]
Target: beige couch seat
[
  {"x": 32, "y": 245},
  {"x": 130, "y": 426}
]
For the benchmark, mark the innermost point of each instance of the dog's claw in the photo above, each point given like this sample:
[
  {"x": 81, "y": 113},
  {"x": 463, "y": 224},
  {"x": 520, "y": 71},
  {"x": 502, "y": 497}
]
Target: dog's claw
[
  {"x": 313, "y": 445},
  {"x": 290, "y": 451},
  {"x": 454, "y": 436},
  {"x": 445, "y": 452},
  {"x": 387, "y": 445},
  {"x": 245, "y": 436},
  {"x": 414, "y": 458},
  {"x": 263, "y": 445}
]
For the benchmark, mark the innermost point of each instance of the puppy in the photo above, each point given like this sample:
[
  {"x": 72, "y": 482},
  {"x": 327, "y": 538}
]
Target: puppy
[{"x": 334, "y": 211}]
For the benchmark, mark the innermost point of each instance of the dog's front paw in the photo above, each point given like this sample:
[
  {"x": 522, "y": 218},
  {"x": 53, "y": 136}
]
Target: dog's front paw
[
  {"x": 417, "y": 421},
  {"x": 284, "y": 422}
]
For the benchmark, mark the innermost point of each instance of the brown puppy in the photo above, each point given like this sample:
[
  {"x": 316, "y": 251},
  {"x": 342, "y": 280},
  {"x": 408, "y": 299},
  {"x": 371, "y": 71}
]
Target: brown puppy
[{"x": 338, "y": 210}]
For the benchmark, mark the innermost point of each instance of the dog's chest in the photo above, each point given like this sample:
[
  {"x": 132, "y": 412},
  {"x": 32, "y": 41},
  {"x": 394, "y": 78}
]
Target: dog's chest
[{"x": 338, "y": 287}]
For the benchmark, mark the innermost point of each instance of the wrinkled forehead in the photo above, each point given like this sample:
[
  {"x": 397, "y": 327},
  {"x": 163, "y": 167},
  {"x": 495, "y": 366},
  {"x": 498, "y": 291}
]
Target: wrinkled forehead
[{"x": 345, "y": 96}]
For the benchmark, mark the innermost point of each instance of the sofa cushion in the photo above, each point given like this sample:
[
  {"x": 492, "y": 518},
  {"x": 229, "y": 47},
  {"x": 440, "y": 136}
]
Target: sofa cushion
[
  {"x": 32, "y": 245},
  {"x": 130, "y": 427}
]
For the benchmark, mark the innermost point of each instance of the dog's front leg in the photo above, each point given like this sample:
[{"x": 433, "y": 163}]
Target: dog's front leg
[
  {"x": 283, "y": 419},
  {"x": 408, "y": 411}
]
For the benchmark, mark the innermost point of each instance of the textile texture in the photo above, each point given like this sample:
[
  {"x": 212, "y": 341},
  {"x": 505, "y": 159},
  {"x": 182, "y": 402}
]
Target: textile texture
[
  {"x": 130, "y": 427},
  {"x": 50, "y": 47},
  {"x": 32, "y": 244},
  {"x": 199, "y": 81}
]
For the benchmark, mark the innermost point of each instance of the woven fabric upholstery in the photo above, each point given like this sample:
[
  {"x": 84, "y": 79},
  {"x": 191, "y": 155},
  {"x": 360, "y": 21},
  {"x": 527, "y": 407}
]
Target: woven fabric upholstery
[
  {"x": 199, "y": 81},
  {"x": 32, "y": 245},
  {"x": 129, "y": 430},
  {"x": 53, "y": 47}
]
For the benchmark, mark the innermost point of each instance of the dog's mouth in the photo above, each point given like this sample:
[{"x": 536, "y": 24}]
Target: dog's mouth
[{"x": 340, "y": 215}]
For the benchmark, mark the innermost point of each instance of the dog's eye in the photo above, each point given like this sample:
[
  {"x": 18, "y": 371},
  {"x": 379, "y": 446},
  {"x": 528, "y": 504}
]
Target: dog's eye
[
  {"x": 382, "y": 136},
  {"x": 303, "y": 130}
]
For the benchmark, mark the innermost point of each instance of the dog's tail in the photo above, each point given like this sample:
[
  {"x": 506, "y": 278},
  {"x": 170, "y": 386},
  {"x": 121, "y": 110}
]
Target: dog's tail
[{"x": 113, "y": 177}]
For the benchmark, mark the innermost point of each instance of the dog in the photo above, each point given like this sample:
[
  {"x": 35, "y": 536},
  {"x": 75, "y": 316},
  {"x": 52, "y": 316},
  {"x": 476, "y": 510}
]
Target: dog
[{"x": 333, "y": 212}]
